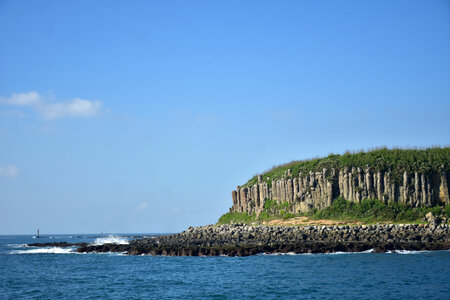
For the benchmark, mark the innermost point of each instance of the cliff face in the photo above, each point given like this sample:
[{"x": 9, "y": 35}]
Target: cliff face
[{"x": 318, "y": 189}]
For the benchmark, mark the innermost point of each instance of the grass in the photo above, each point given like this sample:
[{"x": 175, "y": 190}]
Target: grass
[
  {"x": 373, "y": 210},
  {"x": 396, "y": 160},
  {"x": 367, "y": 212},
  {"x": 246, "y": 218},
  {"x": 236, "y": 217}
]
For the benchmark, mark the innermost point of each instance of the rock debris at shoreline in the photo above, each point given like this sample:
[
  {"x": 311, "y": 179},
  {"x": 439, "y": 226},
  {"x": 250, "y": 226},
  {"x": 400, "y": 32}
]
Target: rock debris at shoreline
[{"x": 244, "y": 240}]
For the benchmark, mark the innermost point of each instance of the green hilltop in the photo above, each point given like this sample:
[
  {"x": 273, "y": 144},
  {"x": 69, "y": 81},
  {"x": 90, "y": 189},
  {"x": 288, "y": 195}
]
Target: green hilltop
[
  {"x": 384, "y": 159},
  {"x": 429, "y": 161}
]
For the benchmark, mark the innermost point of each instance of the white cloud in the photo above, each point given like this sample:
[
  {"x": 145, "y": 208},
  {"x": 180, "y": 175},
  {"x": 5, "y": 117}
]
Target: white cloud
[
  {"x": 141, "y": 206},
  {"x": 54, "y": 110},
  {"x": 9, "y": 171},
  {"x": 74, "y": 108},
  {"x": 23, "y": 99}
]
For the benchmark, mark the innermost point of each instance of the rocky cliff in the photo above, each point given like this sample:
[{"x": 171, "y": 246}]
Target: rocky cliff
[{"x": 419, "y": 184}]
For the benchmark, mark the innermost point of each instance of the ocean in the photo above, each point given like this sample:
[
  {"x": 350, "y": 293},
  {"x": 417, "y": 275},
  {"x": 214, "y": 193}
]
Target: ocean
[{"x": 55, "y": 273}]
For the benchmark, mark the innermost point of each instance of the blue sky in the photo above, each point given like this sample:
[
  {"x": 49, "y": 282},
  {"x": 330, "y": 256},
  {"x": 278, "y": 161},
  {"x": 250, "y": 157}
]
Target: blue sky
[{"x": 142, "y": 116}]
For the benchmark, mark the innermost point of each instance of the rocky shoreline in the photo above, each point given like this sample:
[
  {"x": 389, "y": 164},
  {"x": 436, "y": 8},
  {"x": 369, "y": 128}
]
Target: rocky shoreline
[{"x": 244, "y": 240}]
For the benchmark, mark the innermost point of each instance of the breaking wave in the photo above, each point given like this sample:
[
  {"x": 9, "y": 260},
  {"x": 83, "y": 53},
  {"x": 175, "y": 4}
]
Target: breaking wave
[
  {"x": 281, "y": 253},
  {"x": 408, "y": 251},
  {"x": 17, "y": 245},
  {"x": 331, "y": 253},
  {"x": 110, "y": 240},
  {"x": 357, "y": 252},
  {"x": 53, "y": 250}
]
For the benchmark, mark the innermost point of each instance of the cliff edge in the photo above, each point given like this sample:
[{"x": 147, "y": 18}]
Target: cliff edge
[{"x": 411, "y": 177}]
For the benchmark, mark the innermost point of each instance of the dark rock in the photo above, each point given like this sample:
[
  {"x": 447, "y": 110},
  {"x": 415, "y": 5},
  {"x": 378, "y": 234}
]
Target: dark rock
[{"x": 236, "y": 240}]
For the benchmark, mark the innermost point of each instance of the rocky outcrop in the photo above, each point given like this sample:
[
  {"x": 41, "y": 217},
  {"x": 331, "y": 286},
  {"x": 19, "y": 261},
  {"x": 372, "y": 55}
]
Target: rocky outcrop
[
  {"x": 319, "y": 189},
  {"x": 242, "y": 240}
]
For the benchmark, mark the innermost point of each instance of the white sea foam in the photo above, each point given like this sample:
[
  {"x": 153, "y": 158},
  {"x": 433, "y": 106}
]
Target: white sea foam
[
  {"x": 331, "y": 253},
  {"x": 368, "y": 251},
  {"x": 342, "y": 252},
  {"x": 17, "y": 245},
  {"x": 408, "y": 252},
  {"x": 110, "y": 240},
  {"x": 280, "y": 253},
  {"x": 53, "y": 250},
  {"x": 104, "y": 253},
  {"x": 288, "y": 253}
]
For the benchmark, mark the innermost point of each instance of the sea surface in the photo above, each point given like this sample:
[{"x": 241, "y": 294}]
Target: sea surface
[{"x": 55, "y": 273}]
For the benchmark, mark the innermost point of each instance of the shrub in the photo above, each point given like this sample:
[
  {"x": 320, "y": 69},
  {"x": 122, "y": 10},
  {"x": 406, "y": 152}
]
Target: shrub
[
  {"x": 375, "y": 210},
  {"x": 236, "y": 217}
]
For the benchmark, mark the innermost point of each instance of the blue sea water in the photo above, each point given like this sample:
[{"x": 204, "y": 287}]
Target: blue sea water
[{"x": 53, "y": 273}]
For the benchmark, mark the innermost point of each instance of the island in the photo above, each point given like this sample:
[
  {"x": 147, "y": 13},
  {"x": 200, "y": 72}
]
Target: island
[{"x": 376, "y": 201}]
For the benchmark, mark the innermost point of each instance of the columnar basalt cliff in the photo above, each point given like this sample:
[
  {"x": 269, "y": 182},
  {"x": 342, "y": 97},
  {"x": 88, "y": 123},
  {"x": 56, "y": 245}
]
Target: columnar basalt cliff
[{"x": 423, "y": 186}]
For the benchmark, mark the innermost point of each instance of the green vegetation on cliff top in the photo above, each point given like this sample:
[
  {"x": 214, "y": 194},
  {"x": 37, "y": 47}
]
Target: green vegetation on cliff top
[
  {"x": 368, "y": 211},
  {"x": 396, "y": 160}
]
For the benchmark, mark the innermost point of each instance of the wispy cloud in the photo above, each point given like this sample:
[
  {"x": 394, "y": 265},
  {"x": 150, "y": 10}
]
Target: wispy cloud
[
  {"x": 9, "y": 171},
  {"x": 73, "y": 108},
  {"x": 12, "y": 113},
  {"x": 141, "y": 206},
  {"x": 49, "y": 109},
  {"x": 23, "y": 99}
]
